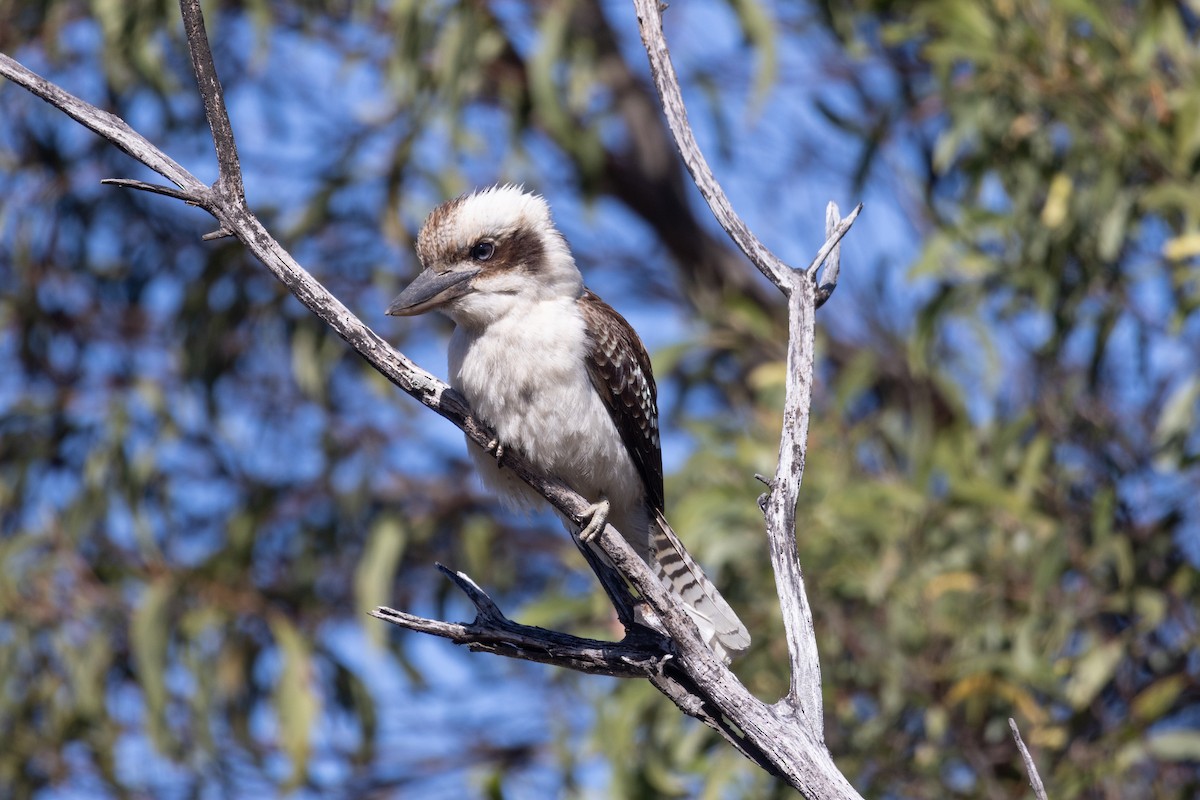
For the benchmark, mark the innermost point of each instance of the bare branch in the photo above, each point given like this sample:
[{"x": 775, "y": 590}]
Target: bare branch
[
  {"x": 804, "y": 693},
  {"x": 1035, "y": 780},
  {"x": 639, "y": 656},
  {"x": 830, "y": 253},
  {"x": 229, "y": 168},
  {"x": 220, "y": 233},
  {"x": 486, "y": 607},
  {"x": 649, "y": 16},
  {"x": 111, "y": 127},
  {"x": 153, "y": 188},
  {"x": 803, "y": 699}
]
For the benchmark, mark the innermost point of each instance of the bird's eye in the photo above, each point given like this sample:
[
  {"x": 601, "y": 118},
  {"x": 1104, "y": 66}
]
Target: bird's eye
[{"x": 482, "y": 251}]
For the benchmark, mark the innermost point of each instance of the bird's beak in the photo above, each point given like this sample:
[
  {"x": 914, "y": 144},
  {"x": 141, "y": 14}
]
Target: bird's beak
[{"x": 431, "y": 289}]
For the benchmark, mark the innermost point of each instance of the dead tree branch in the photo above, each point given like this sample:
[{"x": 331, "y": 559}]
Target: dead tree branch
[
  {"x": 786, "y": 279},
  {"x": 786, "y": 738},
  {"x": 804, "y": 296},
  {"x": 1035, "y": 780},
  {"x": 639, "y": 656}
]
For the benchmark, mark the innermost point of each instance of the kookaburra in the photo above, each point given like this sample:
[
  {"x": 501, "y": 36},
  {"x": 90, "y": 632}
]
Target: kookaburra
[{"x": 559, "y": 375}]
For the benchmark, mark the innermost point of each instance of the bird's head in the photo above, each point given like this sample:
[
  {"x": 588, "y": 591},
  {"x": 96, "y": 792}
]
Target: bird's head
[{"x": 487, "y": 254}]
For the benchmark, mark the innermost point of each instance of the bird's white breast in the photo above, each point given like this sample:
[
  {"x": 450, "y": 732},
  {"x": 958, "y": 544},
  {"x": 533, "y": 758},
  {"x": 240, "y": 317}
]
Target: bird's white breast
[{"x": 525, "y": 375}]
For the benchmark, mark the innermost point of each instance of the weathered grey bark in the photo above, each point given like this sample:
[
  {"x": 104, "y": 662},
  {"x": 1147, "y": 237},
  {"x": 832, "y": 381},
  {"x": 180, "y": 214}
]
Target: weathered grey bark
[{"x": 1035, "y": 780}]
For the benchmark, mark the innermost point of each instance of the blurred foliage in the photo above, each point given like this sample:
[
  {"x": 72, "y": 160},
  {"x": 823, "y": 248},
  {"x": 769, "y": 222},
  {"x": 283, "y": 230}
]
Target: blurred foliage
[{"x": 201, "y": 491}]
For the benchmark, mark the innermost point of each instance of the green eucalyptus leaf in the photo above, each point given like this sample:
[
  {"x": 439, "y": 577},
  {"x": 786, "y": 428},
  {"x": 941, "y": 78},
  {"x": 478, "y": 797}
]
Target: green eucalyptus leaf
[
  {"x": 296, "y": 702},
  {"x": 150, "y": 637}
]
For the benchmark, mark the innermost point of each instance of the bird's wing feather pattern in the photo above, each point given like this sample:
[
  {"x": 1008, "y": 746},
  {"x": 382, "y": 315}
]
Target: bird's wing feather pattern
[{"x": 621, "y": 374}]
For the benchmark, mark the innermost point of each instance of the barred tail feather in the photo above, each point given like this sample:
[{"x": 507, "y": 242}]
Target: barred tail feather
[{"x": 680, "y": 574}]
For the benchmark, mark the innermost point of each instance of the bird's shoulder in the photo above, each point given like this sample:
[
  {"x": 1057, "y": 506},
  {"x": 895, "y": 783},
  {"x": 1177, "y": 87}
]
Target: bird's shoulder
[{"x": 622, "y": 376}]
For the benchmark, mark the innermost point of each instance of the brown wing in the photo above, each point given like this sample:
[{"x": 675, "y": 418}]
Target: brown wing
[{"x": 620, "y": 371}]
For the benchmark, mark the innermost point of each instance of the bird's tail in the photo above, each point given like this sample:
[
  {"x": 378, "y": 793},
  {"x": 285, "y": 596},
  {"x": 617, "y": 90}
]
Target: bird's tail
[{"x": 681, "y": 575}]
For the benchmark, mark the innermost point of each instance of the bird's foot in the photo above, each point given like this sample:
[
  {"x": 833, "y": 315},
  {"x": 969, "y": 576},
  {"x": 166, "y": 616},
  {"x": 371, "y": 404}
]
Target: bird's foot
[
  {"x": 496, "y": 448},
  {"x": 597, "y": 519}
]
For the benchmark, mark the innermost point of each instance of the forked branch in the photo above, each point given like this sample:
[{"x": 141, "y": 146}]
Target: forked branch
[
  {"x": 639, "y": 656},
  {"x": 803, "y": 297}
]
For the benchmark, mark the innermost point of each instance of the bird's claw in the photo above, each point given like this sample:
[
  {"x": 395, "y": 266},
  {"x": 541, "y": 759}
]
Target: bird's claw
[
  {"x": 496, "y": 448},
  {"x": 597, "y": 519}
]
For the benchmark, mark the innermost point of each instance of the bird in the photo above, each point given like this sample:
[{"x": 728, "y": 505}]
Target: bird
[{"x": 560, "y": 377}]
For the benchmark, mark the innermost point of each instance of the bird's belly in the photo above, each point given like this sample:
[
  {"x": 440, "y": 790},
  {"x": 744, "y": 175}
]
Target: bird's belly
[{"x": 540, "y": 401}]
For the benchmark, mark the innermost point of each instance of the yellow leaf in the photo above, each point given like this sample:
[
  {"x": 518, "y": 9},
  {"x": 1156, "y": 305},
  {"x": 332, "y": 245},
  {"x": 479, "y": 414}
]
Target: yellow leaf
[
  {"x": 1058, "y": 198},
  {"x": 982, "y": 684},
  {"x": 769, "y": 375},
  {"x": 1052, "y": 737},
  {"x": 950, "y": 582},
  {"x": 968, "y": 686},
  {"x": 1182, "y": 247}
]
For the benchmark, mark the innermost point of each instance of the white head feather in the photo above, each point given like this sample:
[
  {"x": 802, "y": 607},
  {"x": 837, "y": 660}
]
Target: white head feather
[{"x": 531, "y": 261}]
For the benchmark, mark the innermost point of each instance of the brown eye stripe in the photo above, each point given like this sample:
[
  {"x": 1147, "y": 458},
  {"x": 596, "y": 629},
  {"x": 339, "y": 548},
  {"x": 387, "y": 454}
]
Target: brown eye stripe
[{"x": 522, "y": 249}]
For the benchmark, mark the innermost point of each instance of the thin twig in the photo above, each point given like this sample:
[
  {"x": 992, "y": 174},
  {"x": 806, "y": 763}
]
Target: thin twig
[
  {"x": 1035, "y": 780},
  {"x": 229, "y": 168},
  {"x": 829, "y": 277},
  {"x": 220, "y": 233},
  {"x": 485, "y": 605},
  {"x": 830, "y": 253},
  {"x": 525, "y": 642},
  {"x": 153, "y": 188},
  {"x": 107, "y": 125},
  {"x": 649, "y": 16}
]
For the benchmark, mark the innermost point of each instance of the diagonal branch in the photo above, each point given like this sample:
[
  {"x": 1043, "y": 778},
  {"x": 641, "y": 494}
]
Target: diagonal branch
[
  {"x": 107, "y": 125},
  {"x": 649, "y": 17},
  {"x": 1035, "y": 780}
]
